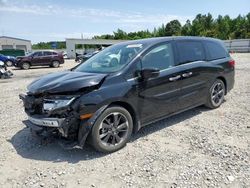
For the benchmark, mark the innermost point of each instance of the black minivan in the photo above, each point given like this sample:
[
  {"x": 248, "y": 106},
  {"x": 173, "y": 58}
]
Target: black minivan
[{"x": 126, "y": 86}]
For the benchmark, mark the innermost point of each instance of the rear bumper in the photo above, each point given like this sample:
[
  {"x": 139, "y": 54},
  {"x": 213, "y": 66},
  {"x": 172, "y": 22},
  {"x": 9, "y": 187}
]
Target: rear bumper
[{"x": 230, "y": 79}]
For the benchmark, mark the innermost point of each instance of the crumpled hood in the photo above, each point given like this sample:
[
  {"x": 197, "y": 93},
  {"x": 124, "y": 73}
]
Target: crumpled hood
[{"x": 65, "y": 82}]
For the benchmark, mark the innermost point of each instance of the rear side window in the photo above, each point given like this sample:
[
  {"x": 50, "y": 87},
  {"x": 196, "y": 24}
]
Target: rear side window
[
  {"x": 189, "y": 51},
  {"x": 215, "y": 51},
  {"x": 47, "y": 53}
]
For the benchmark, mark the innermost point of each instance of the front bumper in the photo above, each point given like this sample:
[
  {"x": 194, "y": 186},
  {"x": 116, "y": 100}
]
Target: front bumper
[{"x": 46, "y": 122}]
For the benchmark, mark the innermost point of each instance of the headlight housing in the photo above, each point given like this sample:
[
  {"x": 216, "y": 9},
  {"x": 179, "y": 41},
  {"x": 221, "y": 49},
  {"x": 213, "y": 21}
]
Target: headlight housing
[{"x": 57, "y": 102}]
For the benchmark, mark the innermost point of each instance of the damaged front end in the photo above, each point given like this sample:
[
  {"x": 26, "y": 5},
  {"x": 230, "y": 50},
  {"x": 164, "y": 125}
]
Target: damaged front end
[
  {"x": 54, "y": 106},
  {"x": 54, "y": 115}
]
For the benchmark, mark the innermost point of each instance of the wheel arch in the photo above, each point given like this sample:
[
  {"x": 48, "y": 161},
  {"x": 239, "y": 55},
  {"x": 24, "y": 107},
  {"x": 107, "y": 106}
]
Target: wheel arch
[
  {"x": 224, "y": 81},
  {"x": 131, "y": 110}
]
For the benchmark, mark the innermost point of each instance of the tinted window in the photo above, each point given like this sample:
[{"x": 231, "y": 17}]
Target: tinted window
[
  {"x": 215, "y": 50},
  {"x": 189, "y": 51},
  {"x": 160, "y": 57},
  {"x": 36, "y": 54},
  {"x": 47, "y": 53}
]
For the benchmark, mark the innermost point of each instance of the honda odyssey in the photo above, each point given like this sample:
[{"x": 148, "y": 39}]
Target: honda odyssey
[{"x": 127, "y": 86}]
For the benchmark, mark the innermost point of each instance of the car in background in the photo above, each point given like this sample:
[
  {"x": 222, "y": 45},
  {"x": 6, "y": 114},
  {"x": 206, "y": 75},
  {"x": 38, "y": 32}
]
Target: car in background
[
  {"x": 40, "y": 58},
  {"x": 8, "y": 60},
  {"x": 80, "y": 58}
]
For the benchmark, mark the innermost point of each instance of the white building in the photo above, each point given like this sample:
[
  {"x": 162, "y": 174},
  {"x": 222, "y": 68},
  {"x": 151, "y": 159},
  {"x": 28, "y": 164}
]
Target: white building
[
  {"x": 71, "y": 44},
  {"x": 14, "y": 43}
]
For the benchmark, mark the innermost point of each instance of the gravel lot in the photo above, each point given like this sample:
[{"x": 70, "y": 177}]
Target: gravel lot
[{"x": 198, "y": 148}]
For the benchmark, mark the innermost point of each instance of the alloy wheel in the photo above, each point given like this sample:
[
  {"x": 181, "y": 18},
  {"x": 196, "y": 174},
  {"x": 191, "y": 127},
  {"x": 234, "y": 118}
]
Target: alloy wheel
[
  {"x": 217, "y": 94},
  {"x": 113, "y": 129}
]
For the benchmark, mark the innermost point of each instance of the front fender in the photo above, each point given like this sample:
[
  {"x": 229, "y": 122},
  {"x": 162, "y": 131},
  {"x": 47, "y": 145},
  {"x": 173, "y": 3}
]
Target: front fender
[{"x": 86, "y": 126}]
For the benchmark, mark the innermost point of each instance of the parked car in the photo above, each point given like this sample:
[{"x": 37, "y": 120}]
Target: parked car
[
  {"x": 80, "y": 58},
  {"x": 8, "y": 60},
  {"x": 40, "y": 58},
  {"x": 127, "y": 86}
]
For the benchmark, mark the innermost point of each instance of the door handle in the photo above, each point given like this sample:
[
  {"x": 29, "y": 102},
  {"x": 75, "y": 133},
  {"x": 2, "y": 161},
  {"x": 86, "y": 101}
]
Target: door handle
[
  {"x": 174, "y": 78},
  {"x": 185, "y": 75}
]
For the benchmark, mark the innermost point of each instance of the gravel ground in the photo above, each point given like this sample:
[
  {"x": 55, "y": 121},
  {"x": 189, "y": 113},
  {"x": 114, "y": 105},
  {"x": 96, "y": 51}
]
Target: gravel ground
[{"x": 197, "y": 148}]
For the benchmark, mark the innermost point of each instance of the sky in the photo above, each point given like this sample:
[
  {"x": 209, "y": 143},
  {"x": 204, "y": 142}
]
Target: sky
[{"x": 50, "y": 20}]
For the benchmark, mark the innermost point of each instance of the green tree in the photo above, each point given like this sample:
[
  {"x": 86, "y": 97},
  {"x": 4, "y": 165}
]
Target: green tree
[
  {"x": 186, "y": 30},
  {"x": 173, "y": 28}
]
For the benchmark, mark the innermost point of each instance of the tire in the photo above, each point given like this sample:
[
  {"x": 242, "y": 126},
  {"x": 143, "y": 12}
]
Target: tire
[
  {"x": 25, "y": 66},
  {"x": 117, "y": 132},
  {"x": 216, "y": 94},
  {"x": 55, "y": 64},
  {"x": 9, "y": 63}
]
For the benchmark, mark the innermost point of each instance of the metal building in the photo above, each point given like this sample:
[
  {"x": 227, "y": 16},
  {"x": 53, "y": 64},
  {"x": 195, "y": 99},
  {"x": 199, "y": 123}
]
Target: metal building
[
  {"x": 71, "y": 43},
  {"x": 14, "y": 43}
]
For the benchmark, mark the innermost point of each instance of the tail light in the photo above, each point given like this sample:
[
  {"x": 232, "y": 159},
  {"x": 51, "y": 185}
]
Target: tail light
[{"x": 231, "y": 63}]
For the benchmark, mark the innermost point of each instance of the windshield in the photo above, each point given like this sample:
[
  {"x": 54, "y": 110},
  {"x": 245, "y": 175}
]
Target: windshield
[
  {"x": 30, "y": 54},
  {"x": 111, "y": 59}
]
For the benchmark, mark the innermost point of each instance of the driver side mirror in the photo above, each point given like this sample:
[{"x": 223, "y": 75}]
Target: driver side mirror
[{"x": 147, "y": 73}]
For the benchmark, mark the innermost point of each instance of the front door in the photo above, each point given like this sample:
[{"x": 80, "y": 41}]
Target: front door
[
  {"x": 37, "y": 58},
  {"x": 159, "y": 96}
]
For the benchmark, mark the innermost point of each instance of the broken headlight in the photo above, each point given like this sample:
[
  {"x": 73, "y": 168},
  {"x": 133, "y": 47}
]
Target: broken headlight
[{"x": 57, "y": 102}]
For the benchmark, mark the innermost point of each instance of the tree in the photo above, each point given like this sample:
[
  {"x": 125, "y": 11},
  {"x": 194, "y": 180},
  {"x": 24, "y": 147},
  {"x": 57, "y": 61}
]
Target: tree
[
  {"x": 173, "y": 28},
  {"x": 186, "y": 30},
  {"x": 120, "y": 34},
  {"x": 223, "y": 27}
]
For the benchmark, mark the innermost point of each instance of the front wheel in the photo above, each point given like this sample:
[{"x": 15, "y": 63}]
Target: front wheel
[
  {"x": 55, "y": 64},
  {"x": 216, "y": 94},
  {"x": 112, "y": 130}
]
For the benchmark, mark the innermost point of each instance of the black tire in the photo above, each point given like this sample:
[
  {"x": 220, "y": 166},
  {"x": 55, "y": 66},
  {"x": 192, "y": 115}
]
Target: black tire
[
  {"x": 25, "y": 65},
  {"x": 96, "y": 132},
  {"x": 216, "y": 98},
  {"x": 55, "y": 64},
  {"x": 9, "y": 63}
]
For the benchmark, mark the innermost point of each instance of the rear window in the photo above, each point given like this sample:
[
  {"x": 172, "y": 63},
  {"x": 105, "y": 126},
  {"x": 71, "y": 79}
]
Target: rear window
[
  {"x": 189, "y": 51},
  {"x": 215, "y": 51}
]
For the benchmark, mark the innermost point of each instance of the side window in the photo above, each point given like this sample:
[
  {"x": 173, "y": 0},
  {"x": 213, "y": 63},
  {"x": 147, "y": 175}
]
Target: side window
[
  {"x": 132, "y": 72},
  {"x": 47, "y": 53},
  {"x": 37, "y": 54},
  {"x": 215, "y": 51},
  {"x": 189, "y": 51},
  {"x": 160, "y": 57}
]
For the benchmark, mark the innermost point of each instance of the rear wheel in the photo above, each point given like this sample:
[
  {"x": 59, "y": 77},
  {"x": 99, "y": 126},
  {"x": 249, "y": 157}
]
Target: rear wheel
[
  {"x": 25, "y": 66},
  {"x": 55, "y": 64},
  {"x": 216, "y": 94},
  {"x": 9, "y": 63},
  {"x": 112, "y": 130}
]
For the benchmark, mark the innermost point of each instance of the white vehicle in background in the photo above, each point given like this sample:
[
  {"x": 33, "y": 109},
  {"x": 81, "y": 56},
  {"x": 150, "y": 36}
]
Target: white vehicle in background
[{"x": 65, "y": 55}]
